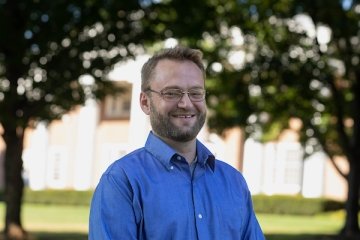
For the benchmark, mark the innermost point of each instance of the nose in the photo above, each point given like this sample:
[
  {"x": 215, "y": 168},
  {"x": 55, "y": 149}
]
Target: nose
[{"x": 184, "y": 101}]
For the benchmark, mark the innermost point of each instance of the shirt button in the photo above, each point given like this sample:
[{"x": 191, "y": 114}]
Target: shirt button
[
  {"x": 171, "y": 167},
  {"x": 178, "y": 158},
  {"x": 200, "y": 216}
]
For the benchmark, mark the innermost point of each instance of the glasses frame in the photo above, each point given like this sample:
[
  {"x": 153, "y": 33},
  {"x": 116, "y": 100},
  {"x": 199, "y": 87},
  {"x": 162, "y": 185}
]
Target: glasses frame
[{"x": 162, "y": 94}]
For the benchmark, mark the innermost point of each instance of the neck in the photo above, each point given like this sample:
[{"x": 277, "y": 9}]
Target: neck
[{"x": 185, "y": 149}]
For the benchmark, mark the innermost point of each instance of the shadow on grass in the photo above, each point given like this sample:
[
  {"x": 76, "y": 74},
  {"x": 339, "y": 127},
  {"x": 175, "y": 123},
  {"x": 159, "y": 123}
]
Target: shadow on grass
[
  {"x": 58, "y": 236},
  {"x": 84, "y": 236},
  {"x": 305, "y": 237}
]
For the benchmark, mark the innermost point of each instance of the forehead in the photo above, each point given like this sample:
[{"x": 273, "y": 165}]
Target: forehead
[{"x": 183, "y": 74}]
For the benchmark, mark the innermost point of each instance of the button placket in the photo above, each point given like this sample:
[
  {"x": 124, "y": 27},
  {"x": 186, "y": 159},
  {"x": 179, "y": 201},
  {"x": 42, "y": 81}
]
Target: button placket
[{"x": 198, "y": 209}]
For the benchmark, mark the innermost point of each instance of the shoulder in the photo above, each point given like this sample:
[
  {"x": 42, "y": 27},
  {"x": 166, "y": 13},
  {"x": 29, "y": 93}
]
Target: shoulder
[
  {"x": 130, "y": 161},
  {"x": 122, "y": 172},
  {"x": 223, "y": 166},
  {"x": 229, "y": 173}
]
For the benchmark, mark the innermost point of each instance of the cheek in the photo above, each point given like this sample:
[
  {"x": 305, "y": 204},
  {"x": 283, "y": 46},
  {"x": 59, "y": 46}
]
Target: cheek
[
  {"x": 201, "y": 107},
  {"x": 159, "y": 107}
]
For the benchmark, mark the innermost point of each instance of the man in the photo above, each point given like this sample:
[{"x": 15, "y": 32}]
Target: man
[{"x": 173, "y": 188}]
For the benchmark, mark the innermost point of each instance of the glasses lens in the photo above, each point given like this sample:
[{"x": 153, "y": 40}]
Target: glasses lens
[
  {"x": 197, "y": 95},
  {"x": 172, "y": 94},
  {"x": 176, "y": 94}
]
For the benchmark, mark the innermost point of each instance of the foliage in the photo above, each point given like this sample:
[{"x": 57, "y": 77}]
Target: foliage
[
  {"x": 47, "y": 45},
  {"x": 264, "y": 65},
  {"x": 53, "y": 56},
  {"x": 277, "y": 204},
  {"x": 294, "y": 205},
  {"x": 55, "y": 197},
  {"x": 58, "y": 197},
  {"x": 289, "y": 70},
  {"x": 271, "y": 61}
]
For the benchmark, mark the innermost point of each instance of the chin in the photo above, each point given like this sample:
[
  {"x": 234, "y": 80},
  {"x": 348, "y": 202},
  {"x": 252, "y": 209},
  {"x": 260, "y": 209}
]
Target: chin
[{"x": 182, "y": 138}]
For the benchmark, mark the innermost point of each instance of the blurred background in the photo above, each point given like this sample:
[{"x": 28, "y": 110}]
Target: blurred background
[{"x": 283, "y": 92}]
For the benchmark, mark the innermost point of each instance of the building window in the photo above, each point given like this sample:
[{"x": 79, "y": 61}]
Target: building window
[
  {"x": 293, "y": 167},
  {"x": 57, "y": 167},
  {"x": 118, "y": 106},
  {"x": 289, "y": 168}
]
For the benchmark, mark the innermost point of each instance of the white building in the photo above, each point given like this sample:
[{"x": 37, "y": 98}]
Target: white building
[{"x": 73, "y": 152}]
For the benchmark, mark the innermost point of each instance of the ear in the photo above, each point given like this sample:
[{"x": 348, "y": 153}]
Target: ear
[{"x": 145, "y": 103}]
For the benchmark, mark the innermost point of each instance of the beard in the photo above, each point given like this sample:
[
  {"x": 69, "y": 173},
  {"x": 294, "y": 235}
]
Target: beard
[{"x": 162, "y": 126}]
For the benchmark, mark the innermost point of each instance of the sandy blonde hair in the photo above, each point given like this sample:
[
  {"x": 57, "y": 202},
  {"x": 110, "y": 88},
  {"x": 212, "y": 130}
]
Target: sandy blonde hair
[{"x": 178, "y": 53}]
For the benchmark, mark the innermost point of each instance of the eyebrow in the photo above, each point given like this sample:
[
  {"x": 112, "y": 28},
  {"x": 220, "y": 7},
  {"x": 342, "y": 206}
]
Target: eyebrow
[{"x": 177, "y": 87}]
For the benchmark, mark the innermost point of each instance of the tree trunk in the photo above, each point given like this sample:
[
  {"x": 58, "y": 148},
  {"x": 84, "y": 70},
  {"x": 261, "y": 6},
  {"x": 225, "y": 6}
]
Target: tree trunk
[
  {"x": 14, "y": 183},
  {"x": 351, "y": 227}
]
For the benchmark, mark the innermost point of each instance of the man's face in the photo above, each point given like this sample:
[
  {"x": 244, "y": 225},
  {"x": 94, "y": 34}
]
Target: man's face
[{"x": 176, "y": 120}]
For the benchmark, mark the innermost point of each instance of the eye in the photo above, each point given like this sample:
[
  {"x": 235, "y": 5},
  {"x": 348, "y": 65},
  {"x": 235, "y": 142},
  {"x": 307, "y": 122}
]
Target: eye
[
  {"x": 172, "y": 93},
  {"x": 197, "y": 94}
]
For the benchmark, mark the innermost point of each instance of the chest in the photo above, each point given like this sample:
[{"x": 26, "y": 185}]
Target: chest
[{"x": 176, "y": 205}]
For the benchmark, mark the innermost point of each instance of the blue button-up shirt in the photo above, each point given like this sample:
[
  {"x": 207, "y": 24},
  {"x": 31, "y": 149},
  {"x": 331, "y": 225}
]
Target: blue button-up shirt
[{"x": 151, "y": 194}]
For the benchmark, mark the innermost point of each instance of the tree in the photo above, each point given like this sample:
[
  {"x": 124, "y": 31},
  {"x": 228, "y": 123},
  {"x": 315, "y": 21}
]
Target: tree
[
  {"x": 45, "y": 47},
  {"x": 274, "y": 60},
  {"x": 264, "y": 67}
]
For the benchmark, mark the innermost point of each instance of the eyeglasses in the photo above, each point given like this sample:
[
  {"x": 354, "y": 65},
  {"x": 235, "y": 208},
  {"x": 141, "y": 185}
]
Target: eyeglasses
[{"x": 174, "y": 95}]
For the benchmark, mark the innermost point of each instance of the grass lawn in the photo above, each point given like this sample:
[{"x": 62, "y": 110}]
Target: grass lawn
[
  {"x": 285, "y": 227},
  {"x": 53, "y": 222},
  {"x": 54, "y": 218}
]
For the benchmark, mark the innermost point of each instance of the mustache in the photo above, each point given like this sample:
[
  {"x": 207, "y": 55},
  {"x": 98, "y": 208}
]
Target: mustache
[{"x": 183, "y": 113}]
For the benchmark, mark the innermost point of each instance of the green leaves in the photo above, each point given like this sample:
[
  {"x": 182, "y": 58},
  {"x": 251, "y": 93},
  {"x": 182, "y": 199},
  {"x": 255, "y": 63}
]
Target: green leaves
[
  {"x": 287, "y": 70},
  {"x": 47, "y": 45}
]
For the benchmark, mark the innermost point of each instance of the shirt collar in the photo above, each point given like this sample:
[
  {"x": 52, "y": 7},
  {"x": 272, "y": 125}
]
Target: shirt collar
[
  {"x": 164, "y": 152},
  {"x": 204, "y": 156}
]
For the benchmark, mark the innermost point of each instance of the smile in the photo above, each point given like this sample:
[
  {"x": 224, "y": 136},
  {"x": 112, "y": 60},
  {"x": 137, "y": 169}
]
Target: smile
[{"x": 184, "y": 116}]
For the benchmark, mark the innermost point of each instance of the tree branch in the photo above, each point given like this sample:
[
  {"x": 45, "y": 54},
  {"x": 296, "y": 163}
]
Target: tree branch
[
  {"x": 339, "y": 113},
  {"x": 327, "y": 151}
]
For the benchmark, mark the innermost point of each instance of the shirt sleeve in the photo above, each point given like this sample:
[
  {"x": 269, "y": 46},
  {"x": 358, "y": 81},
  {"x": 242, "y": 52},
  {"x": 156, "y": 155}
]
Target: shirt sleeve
[
  {"x": 112, "y": 214},
  {"x": 252, "y": 228}
]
